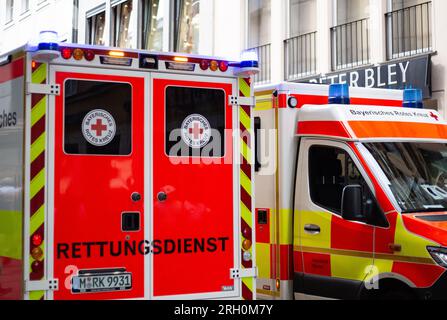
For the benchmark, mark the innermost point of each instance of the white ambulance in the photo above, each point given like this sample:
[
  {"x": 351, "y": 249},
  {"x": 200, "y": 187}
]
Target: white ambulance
[{"x": 125, "y": 174}]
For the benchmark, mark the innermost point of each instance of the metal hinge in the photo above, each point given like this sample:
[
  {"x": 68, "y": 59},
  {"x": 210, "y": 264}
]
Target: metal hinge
[
  {"x": 50, "y": 89},
  {"x": 43, "y": 285},
  {"x": 243, "y": 273},
  {"x": 242, "y": 101}
]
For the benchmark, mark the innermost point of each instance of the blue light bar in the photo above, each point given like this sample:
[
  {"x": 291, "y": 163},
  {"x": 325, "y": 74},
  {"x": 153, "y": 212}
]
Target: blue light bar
[
  {"x": 413, "y": 99},
  {"x": 339, "y": 94},
  {"x": 48, "y": 40}
]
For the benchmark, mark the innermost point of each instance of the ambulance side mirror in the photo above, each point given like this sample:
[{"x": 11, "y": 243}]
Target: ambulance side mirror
[{"x": 352, "y": 204}]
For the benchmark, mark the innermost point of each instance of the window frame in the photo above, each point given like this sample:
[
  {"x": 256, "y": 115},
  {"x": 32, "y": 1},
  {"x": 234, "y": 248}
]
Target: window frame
[
  {"x": 90, "y": 27},
  {"x": 131, "y": 121},
  {"x": 305, "y": 146},
  {"x": 165, "y": 143}
]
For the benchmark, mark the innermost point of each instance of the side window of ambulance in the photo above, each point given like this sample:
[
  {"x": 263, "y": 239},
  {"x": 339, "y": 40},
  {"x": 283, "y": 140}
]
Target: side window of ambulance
[
  {"x": 195, "y": 122},
  {"x": 330, "y": 171},
  {"x": 97, "y": 118}
]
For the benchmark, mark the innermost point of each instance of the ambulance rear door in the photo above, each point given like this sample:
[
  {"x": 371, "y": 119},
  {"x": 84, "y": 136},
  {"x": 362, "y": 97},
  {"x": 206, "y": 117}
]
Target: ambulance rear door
[
  {"x": 97, "y": 184},
  {"x": 195, "y": 208}
]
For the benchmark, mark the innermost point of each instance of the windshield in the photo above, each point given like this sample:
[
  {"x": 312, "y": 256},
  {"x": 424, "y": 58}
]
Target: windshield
[{"x": 417, "y": 174}]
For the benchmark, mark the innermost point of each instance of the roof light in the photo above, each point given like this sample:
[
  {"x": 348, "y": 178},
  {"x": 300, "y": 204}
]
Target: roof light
[
  {"x": 181, "y": 59},
  {"x": 413, "y": 99},
  {"x": 339, "y": 94},
  {"x": 204, "y": 65},
  {"x": 66, "y": 53},
  {"x": 249, "y": 64},
  {"x": 89, "y": 55},
  {"x": 223, "y": 66},
  {"x": 214, "y": 65},
  {"x": 116, "y": 54},
  {"x": 78, "y": 54},
  {"x": 48, "y": 47}
]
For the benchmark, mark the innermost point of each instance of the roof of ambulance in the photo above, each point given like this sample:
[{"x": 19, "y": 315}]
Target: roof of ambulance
[{"x": 323, "y": 89}]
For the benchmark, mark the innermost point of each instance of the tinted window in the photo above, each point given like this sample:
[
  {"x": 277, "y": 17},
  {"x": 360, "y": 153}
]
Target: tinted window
[
  {"x": 98, "y": 118},
  {"x": 195, "y": 122},
  {"x": 330, "y": 171}
]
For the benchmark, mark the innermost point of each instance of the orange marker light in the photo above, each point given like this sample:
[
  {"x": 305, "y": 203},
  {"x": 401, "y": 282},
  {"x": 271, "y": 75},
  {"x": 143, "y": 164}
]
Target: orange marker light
[
  {"x": 214, "y": 65},
  {"x": 246, "y": 244},
  {"x": 37, "y": 253},
  {"x": 116, "y": 53},
  {"x": 181, "y": 59},
  {"x": 78, "y": 54}
]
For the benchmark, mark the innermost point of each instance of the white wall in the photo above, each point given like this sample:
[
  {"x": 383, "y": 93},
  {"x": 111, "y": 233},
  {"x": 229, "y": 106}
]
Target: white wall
[{"x": 25, "y": 26}]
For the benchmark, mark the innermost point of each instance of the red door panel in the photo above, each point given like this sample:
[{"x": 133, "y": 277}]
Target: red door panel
[
  {"x": 194, "y": 217},
  {"x": 95, "y": 173}
]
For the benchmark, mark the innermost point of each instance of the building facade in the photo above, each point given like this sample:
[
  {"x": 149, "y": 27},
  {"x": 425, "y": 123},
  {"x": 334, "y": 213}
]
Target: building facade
[
  {"x": 22, "y": 20},
  {"x": 372, "y": 43}
]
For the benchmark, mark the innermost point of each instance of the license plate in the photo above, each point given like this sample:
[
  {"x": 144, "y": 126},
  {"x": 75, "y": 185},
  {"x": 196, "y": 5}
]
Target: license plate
[{"x": 102, "y": 283}]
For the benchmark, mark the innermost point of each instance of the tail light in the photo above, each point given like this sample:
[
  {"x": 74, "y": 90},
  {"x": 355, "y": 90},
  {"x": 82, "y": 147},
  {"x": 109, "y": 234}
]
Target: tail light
[
  {"x": 89, "y": 55},
  {"x": 37, "y": 240},
  {"x": 204, "y": 65},
  {"x": 37, "y": 267},
  {"x": 223, "y": 66},
  {"x": 246, "y": 233},
  {"x": 67, "y": 53}
]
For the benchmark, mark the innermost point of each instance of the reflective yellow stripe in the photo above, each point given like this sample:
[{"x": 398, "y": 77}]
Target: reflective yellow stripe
[
  {"x": 36, "y": 295},
  {"x": 263, "y": 260},
  {"x": 40, "y": 74},
  {"x": 38, "y": 147},
  {"x": 37, "y": 219},
  {"x": 285, "y": 230},
  {"x": 38, "y": 111},
  {"x": 246, "y": 183},
  {"x": 245, "y": 120},
  {"x": 246, "y": 215},
  {"x": 246, "y": 151},
  {"x": 37, "y": 183},
  {"x": 322, "y": 219},
  {"x": 244, "y": 87}
]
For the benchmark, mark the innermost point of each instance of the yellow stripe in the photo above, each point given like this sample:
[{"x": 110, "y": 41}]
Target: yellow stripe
[
  {"x": 249, "y": 283},
  {"x": 11, "y": 237},
  {"x": 246, "y": 182},
  {"x": 37, "y": 183},
  {"x": 244, "y": 87},
  {"x": 285, "y": 226},
  {"x": 37, "y": 219},
  {"x": 38, "y": 111},
  {"x": 264, "y": 105},
  {"x": 245, "y": 120},
  {"x": 38, "y": 147},
  {"x": 40, "y": 74},
  {"x": 263, "y": 260},
  {"x": 246, "y": 151},
  {"x": 246, "y": 215},
  {"x": 261, "y": 94},
  {"x": 36, "y": 295}
]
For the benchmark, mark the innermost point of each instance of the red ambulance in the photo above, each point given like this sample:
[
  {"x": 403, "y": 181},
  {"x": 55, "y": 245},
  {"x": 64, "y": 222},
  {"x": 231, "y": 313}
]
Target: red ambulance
[
  {"x": 125, "y": 174},
  {"x": 351, "y": 194}
]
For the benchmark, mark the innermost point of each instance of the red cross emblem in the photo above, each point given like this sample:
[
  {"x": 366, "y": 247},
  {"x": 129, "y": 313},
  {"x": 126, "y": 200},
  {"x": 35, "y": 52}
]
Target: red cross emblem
[
  {"x": 196, "y": 131},
  {"x": 434, "y": 116},
  {"x": 99, "y": 127}
]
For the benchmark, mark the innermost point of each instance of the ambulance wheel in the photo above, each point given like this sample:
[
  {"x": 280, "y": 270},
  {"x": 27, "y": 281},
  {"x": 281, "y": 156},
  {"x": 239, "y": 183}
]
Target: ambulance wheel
[{"x": 398, "y": 295}]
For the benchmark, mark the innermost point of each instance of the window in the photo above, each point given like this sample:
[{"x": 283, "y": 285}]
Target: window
[
  {"x": 303, "y": 17},
  {"x": 408, "y": 28},
  {"x": 195, "y": 122},
  {"x": 25, "y": 6},
  {"x": 350, "y": 37},
  {"x": 330, "y": 171},
  {"x": 153, "y": 20},
  {"x": 9, "y": 13},
  {"x": 259, "y": 17},
  {"x": 187, "y": 23},
  {"x": 352, "y": 10},
  {"x": 122, "y": 15},
  {"x": 98, "y": 118},
  {"x": 95, "y": 29}
]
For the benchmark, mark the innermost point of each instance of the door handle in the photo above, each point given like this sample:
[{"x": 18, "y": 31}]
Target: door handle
[{"x": 312, "y": 229}]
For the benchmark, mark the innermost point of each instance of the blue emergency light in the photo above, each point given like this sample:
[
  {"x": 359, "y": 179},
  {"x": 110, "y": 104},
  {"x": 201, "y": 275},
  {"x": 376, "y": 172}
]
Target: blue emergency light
[
  {"x": 339, "y": 94},
  {"x": 413, "y": 99},
  {"x": 48, "y": 46},
  {"x": 249, "y": 64}
]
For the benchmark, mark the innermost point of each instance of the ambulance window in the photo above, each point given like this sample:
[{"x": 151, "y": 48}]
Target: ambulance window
[
  {"x": 97, "y": 118},
  {"x": 330, "y": 171},
  {"x": 195, "y": 122}
]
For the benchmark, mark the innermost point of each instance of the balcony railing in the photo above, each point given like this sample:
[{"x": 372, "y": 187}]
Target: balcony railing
[
  {"x": 409, "y": 31},
  {"x": 300, "y": 56},
  {"x": 350, "y": 44},
  {"x": 264, "y": 56}
]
